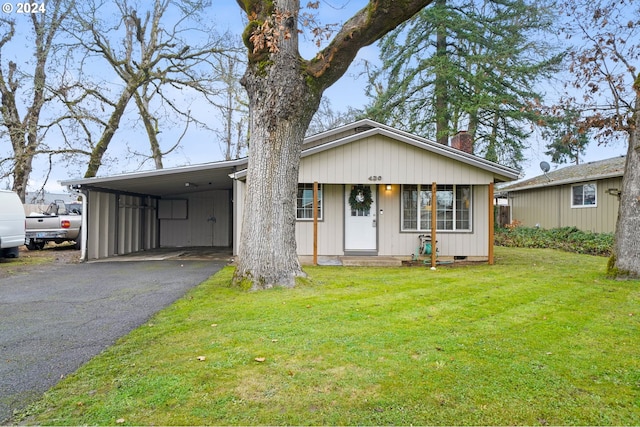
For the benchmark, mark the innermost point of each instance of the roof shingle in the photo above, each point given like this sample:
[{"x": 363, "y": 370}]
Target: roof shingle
[{"x": 577, "y": 173}]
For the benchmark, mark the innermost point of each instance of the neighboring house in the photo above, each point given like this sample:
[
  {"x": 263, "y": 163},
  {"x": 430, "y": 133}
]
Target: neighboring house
[
  {"x": 585, "y": 196},
  {"x": 202, "y": 205}
]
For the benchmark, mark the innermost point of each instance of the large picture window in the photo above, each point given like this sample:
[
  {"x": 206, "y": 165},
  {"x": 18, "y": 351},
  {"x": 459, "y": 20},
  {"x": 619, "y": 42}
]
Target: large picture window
[
  {"x": 453, "y": 207},
  {"x": 304, "y": 204},
  {"x": 583, "y": 195}
]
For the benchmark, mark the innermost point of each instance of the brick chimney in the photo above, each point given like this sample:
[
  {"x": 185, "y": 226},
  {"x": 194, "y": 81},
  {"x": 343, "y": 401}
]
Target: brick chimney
[{"x": 462, "y": 141}]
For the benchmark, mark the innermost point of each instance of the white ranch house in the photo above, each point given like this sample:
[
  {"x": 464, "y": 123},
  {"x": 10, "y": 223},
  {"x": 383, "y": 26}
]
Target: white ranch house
[{"x": 202, "y": 205}]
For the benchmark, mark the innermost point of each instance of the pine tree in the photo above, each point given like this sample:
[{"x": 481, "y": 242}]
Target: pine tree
[{"x": 467, "y": 65}]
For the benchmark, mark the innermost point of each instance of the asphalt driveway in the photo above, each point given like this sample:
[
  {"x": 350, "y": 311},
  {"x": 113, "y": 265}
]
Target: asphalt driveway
[{"x": 57, "y": 317}]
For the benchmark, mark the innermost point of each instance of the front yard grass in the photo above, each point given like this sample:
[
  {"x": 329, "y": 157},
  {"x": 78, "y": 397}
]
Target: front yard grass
[{"x": 542, "y": 337}]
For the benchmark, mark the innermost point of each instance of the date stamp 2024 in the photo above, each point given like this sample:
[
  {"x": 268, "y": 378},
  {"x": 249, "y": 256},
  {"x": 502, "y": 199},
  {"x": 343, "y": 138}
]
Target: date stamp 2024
[{"x": 24, "y": 8}]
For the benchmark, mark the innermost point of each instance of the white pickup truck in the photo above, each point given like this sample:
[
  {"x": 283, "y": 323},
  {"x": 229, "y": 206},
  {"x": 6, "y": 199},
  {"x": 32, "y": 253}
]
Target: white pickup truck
[{"x": 61, "y": 222}]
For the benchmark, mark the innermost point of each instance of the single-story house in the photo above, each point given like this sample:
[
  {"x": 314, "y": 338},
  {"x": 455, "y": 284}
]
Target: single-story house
[
  {"x": 375, "y": 198},
  {"x": 585, "y": 196}
]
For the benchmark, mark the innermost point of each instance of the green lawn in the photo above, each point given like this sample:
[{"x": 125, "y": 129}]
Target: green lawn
[{"x": 542, "y": 337}]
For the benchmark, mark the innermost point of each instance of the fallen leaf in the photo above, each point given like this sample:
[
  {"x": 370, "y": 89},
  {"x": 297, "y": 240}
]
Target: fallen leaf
[
  {"x": 120, "y": 421},
  {"x": 213, "y": 325},
  {"x": 260, "y": 359},
  {"x": 202, "y": 358}
]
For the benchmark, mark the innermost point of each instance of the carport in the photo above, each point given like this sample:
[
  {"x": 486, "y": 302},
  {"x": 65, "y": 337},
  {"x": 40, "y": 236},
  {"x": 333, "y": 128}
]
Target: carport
[{"x": 189, "y": 206}]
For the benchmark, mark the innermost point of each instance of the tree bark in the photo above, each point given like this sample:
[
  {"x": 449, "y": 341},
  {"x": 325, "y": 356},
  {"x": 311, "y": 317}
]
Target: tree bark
[
  {"x": 282, "y": 105},
  {"x": 625, "y": 262},
  {"x": 150, "y": 125},
  {"x": 284, "y": 92},
  {"x": 95, "y": 160}
]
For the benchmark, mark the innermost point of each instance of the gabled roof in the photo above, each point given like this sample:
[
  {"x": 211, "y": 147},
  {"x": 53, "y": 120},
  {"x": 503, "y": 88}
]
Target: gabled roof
[
  {"x": 592, "y": 171},
  {"x": 366, "y": 128},
  {"x": 216, "y": 175}
]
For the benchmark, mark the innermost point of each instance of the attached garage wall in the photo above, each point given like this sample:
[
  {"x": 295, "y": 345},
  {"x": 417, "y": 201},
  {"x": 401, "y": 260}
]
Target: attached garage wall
[
  {"x": 120, "y": 224},
  {"x": 208, "y": 221}
]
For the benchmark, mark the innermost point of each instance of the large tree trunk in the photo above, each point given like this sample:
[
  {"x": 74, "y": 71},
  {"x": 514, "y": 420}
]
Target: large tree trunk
[
  {"x": 95, "y": 160},
  {"x": 281, "y": 105},
  {"x": 284, "y": 93},
  {"x": 625, "y": 261}
]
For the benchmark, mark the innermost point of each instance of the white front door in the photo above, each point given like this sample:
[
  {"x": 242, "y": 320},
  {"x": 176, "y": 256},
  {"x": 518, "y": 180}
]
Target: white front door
[{"x": 360, "y": 225}]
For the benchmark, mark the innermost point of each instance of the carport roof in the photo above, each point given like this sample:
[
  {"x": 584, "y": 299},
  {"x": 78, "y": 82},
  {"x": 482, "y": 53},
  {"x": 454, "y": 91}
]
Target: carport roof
[
  {"x": 216, "y": 175},
  {"x": 166, "y": 182}
]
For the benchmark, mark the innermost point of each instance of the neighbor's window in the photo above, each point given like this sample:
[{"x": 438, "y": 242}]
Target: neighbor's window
[
  {"x": 583, "y": 195},
  {"x": 304, "y": 204},
  {"x": 453, "y": 207}
]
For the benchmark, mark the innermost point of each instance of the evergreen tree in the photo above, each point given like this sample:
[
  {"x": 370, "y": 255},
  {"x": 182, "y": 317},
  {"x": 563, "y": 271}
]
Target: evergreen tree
[
  {"x": 467, "y": 65},
  {"x": 568, "y": 141}
]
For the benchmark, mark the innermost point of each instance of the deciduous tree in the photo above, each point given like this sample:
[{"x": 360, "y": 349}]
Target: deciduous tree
[
  {"x": 150, "y": 50},
  {"x": 284, "y": 93},
  {"x": 25, "y": 90},
  {"x": 605, "y": 67}
]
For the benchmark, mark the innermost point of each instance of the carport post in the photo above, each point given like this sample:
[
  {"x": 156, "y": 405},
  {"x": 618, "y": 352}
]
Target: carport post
[
  {"x": 491, "y": 224},
  {"x": 434, "y": 211},
  {"x": 315, "y": 223}
]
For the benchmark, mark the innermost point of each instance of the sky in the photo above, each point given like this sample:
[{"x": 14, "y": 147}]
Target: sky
[{"x": 200, "y": 147}]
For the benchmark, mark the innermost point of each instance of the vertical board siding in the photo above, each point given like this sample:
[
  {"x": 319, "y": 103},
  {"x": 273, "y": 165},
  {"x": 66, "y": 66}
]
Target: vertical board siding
[
  {"x": 396, "y": 162},
  {"x": 391, "y": 240},
  {"x": 130, "y": 225},
  {"x": 101, "y": 222},
  {"x": 550, "y": 207},
  {"x": 197, "y": 229},
  {"x": 330, "y": 229}
]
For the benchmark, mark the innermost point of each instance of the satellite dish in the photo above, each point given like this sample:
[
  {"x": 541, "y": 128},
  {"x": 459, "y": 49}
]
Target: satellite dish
[{"x": 545, "y": 167}]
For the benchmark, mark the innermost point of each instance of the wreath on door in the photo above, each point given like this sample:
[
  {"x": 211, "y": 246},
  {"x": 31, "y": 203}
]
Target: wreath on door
[{"x": 360, "y": 197}]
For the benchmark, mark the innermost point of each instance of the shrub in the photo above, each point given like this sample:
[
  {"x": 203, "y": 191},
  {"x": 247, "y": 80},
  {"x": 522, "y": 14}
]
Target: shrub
[{"x": 568, "y": 239}]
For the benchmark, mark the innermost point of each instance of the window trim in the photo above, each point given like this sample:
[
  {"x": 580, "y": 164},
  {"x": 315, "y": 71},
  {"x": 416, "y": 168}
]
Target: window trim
[
  {"x": 301, "y": 185},
  {"x": 454, "y": 220},
  {"x": 595, "y": 194}
]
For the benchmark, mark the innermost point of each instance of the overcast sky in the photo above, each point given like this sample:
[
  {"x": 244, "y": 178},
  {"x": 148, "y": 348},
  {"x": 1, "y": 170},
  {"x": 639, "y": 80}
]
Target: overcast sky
[{"x": 200, "y": 146}]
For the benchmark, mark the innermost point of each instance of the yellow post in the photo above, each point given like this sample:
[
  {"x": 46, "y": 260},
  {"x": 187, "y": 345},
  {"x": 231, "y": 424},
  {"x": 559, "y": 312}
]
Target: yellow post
[
  {"x": 434, "y": 202},
  {"x": 315, "y": 223},
  {"x": 491, "y": 224}
]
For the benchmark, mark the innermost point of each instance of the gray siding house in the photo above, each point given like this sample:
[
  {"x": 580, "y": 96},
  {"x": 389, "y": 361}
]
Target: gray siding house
[
  {"x": 202, "y": 205},
  {"x": 584, "y": 196}
]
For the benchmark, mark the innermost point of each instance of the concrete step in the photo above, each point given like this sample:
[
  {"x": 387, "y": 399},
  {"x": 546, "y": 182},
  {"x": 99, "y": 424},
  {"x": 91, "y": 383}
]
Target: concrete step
[{"x": 370, "y": 261}]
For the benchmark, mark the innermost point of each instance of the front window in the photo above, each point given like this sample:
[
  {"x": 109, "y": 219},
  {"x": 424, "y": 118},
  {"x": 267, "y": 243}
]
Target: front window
[
  {"x": 583, "y": 195},
  {"x": 453, "y": 207},
  {"x": 304, "y": 204}
]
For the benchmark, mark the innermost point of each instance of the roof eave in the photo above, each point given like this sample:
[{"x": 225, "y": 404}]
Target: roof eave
[
  {"x": 154, "y": 173},
  {"x": 553, "y": 183},
  {"x": 502, "y": 172}
]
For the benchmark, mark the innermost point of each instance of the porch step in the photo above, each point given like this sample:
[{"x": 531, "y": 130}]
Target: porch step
[{"x": 370, "y": 261}]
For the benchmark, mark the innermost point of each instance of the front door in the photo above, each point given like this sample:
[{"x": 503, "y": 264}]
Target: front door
[{"x": 360, "y": 223}]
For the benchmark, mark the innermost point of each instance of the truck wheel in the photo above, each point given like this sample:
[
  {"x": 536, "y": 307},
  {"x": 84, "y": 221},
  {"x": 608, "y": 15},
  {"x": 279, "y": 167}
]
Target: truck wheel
[
  {"x": 35, "y": 246},
  {"x": 77, "y": 243}
]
